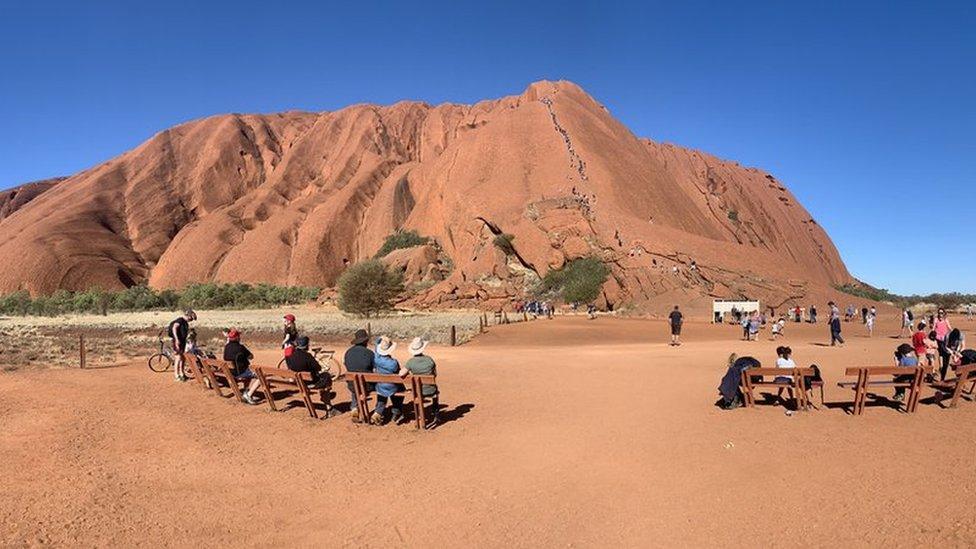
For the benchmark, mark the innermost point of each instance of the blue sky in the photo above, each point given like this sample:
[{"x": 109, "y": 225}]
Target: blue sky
[{"x": 864, "y": 109}]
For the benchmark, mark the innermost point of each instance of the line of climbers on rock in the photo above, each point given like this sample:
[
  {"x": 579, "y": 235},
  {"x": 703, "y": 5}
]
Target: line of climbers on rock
[
  {"x": 358, "y": 358},
  {"x": 578, "y": 164}
]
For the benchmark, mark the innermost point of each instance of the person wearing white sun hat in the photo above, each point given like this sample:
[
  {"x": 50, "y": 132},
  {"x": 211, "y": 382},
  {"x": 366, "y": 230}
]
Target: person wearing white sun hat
[
  {"x": 384, "y": 363},
  {"x": 421, "y": 364}
]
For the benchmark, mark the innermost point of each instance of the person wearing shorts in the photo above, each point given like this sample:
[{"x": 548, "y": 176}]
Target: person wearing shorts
[
  {"x": 676, "y": 319},
  {"x": 240, "y": 356},
  {"x": 179, "y": 331}
]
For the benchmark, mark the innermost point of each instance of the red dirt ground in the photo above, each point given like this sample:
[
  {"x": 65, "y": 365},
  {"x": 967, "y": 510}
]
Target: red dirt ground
[{"x": 564, "y": 432}]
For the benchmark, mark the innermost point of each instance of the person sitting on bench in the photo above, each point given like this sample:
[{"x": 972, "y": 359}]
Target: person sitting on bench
[
  {"x": 905, "y": 358},
  {"x": 729, "y": 386},
  {"x": 239, "y": 355},
  {"x": 358, "y": 359},
  {"x": 300, "y": 360},
  {"x": 384, "y": 363},
  {"x": 784, "y": 360},
  {"x": 423, "y": 365}
]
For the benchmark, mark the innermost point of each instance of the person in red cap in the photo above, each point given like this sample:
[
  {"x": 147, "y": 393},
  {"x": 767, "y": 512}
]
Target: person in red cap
[
  {"x": 240, "y": 357},
  {"x": 291, "y": 334}
]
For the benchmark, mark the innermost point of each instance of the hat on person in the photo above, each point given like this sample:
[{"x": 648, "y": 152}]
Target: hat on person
[
  {"x": 385, "y": 346},
  {"x": 233, "y": 335},
  {"x": 290, "y": 317},
  {"x": 360, "y": 337},
  {"x": 302, "y": 342},
  {"x": 189, "y": 313},
  {"x": 417, "y": 346}
]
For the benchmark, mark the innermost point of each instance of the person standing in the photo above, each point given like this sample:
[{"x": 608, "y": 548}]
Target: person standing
[
  {"x": 942, "y": 328},
  {"x": 813, "y": 314},
  {"x": 906, "y": 324},
  {"x": 676, "y": 321},
  {"x": 835, "y": 336},
  {"x": 869, "y": 322},
  {"x": 179, "y": 330}
]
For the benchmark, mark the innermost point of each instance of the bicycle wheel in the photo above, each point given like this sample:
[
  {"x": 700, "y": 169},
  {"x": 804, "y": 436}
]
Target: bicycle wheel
[
  {"x": 281, "y": 364},
  {"x": 160, "y": 362}
]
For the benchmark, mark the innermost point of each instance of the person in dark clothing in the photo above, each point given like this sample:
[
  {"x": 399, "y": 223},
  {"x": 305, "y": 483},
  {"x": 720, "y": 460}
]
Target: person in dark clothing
[
  {"x": 178, "y": 331},
  {"x": 240, "y": 356},
  {"x": 358, "y": 358},
  {"x": 676, "y": 320},
  {"x": 300, "y": 360},
  {"x": 729, "y": 386}
]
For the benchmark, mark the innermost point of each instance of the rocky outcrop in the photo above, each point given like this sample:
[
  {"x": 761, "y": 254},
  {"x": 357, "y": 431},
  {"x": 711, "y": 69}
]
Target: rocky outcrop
[
  {"x": 293, "y": 198},
  {"x": 14, "y": 199}
]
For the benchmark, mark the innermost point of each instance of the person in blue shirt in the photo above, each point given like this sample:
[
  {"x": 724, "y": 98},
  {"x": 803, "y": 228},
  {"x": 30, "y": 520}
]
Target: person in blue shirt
[
  {"x": 384, "y": 363},
  {"x": 904, "y": 357}
]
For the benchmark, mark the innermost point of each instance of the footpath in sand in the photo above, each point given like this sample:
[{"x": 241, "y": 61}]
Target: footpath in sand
[{"x": 563, "y": 432}]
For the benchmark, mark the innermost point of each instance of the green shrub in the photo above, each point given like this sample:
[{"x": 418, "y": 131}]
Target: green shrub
[
  {"x": 368, "y": 288},
  {"x": 506, "y": 243},
  {"x": 143, "y": 298},
  {"x": 733, "y": 215},
  {"x": 17, "y": 303},
  {"x": 580, "y": 280},
  {"x": 399, "y": 240}
]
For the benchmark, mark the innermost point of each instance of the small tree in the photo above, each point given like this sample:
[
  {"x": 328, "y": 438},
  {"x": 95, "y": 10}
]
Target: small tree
[
  {"x": 580, "y": 280},
  {"x": 368, "y": 288},
  {"x": 400, "y": 240}
]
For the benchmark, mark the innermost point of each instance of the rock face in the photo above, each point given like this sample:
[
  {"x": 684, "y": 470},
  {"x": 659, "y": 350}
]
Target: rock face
[
  {"x": 292, "y": 198},
  {"x": 14, "y": 199}
]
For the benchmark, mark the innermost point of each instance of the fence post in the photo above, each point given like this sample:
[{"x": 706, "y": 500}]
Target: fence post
[
  {"x": 453, "y": 336},
  {"x": 369, "y": 330},
  {"x": 81, "y": 349},
  {"x": 481, "y": 325},
  {"x": 505, "y": 317},
  {"x": 525, "y": 316}
]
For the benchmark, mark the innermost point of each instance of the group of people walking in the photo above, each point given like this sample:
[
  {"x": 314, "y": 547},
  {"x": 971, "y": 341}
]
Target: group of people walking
[{"x": 359, "y": 358}]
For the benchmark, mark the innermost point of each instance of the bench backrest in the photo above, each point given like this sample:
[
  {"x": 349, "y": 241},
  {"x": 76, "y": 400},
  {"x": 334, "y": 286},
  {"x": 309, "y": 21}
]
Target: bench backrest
[
  {"x": 884, "y": 370},
  {"x": 966, "y": 373},
  {"x": 278, "y": 374}
]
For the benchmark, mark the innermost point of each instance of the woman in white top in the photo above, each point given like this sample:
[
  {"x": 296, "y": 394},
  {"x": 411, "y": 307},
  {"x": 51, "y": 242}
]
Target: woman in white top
[{"x": 785, "y": 361}]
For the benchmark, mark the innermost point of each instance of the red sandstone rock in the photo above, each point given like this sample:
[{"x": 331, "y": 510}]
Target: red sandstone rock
[{"x": 285, "y": 198}]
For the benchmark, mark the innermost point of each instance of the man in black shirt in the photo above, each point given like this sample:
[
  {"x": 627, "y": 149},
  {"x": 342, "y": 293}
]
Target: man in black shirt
[
  {"x": 178, "y": 331},
  {"x": 676, "y": 320},
  {"x": 300, "y": 360},
  {"x": 240, "y": 357},
  {"x": 358, "y": 359}
]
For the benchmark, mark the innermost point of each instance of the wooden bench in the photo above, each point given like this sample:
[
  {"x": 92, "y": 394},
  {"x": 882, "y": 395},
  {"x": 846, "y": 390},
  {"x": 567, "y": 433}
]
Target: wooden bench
[
  {"x": 191, "y": 361},
  {"x": 208, "y": 367},
  {"x": 964, "y": 376},
  {"x": 411, "y": 383},
  {"x": 223, "y": 370},
  {"x": 756, "y": 377},
  {"x": 814, "y": 385},
  {"x": 300, "y": 382},
  {"x": 864, "y": 381}
]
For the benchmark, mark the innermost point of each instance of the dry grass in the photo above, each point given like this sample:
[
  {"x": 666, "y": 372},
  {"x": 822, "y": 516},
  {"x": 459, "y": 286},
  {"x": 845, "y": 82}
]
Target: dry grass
[{"x": 53, "y": 341}]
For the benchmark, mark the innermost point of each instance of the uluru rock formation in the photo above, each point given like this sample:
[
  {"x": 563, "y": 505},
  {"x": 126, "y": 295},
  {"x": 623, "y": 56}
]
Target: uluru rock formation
[{"x": 292, "y": 198}]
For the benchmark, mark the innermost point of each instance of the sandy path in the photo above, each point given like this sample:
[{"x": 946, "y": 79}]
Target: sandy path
[{"x": 563, "y": 432}]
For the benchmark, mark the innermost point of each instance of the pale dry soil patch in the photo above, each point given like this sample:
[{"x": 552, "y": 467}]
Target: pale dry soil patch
[{"x": 558, "y": 433}]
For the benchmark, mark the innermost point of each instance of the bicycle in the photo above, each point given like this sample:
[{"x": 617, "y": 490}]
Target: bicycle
[
  {"x": 323, "y": 356},
  {"x": 164, "y": 359}
]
